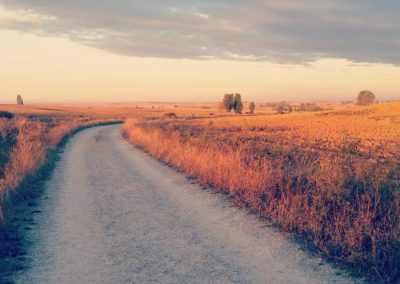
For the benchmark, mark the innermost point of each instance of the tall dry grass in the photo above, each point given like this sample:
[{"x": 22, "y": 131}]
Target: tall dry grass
[
  {"x": 36, "y": 129},
  {"x": 25, "y": 143},
  {"x": 339, "y": 194}
]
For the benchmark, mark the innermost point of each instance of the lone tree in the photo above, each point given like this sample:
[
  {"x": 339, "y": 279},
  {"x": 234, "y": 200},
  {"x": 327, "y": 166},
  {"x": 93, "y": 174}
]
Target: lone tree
[
  {"x": 228, "y": 102},
  {"x": 19, "y": 100},
  {"x": 365, "y": 98},
  {"x": 252, "y": 107},
  {"x": 237, "y": 103}
]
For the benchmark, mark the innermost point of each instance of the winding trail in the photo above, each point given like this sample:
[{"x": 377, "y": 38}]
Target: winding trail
[{"x": 112, "y": 214}]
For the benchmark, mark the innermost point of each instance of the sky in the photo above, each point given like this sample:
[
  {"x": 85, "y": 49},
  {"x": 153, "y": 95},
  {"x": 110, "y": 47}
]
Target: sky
[{"x": 185, "y": 50}]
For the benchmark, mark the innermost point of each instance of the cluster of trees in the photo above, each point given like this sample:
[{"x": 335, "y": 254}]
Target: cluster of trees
[{"x": 234, "y": 102}]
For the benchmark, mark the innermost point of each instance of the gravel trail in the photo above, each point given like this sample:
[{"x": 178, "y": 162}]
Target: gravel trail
[{"x": 112, "y": 214}]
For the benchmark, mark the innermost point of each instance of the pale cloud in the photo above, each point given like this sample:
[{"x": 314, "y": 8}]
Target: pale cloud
[
  {"x": 23, "y": 16},
  {"x": 288, "y": 31},
  {"x": 202, "y": 15}
]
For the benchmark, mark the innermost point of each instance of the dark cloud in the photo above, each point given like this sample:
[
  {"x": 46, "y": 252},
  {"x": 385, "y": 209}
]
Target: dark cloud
[{"x": 296, "y": 31}]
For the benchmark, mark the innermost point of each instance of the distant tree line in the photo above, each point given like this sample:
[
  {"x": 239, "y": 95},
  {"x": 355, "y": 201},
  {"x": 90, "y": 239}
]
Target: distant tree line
[
  {"x": 234, "y": 102},
  {"x": 285, "y": 107}
]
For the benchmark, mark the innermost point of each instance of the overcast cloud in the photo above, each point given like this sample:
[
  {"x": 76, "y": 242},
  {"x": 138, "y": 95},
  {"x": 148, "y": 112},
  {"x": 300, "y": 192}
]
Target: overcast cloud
[{"x": 297, "y": 31}]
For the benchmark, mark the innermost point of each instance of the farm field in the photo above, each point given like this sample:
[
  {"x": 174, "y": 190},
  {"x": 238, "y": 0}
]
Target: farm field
[
  {"x": 33, "y": 130},
  {"x": 28, "y": 136},
  {"x": 331, "y": 176},
  {"x": 200, "y": 142}
]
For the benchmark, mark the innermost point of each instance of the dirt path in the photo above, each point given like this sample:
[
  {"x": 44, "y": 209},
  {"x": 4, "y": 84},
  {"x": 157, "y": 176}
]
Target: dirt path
[{"x": 112, "y": 214}]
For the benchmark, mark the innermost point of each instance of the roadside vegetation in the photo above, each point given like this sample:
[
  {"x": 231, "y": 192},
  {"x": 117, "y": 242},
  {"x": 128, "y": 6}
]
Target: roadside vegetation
[
  {"x": 30, "y": 139},
  {"x": 29, "y": 132},
  {"x": 331, "y": 176},
  {"x": 24, "y": 143},
  {"x": 28, "y": 143}
]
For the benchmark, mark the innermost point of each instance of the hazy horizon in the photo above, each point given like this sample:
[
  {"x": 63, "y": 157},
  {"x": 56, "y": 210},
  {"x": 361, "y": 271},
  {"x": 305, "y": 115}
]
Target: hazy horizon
[{"x": 172, "y": 51}]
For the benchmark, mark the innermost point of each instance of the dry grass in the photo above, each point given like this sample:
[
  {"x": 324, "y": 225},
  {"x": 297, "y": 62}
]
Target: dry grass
[
  {"x": 26, "y": 139},
  {"x": 332, "y": 176}
]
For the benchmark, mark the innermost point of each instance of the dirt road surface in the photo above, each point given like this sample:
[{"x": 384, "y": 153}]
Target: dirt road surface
[{"x": 112, "y": 214}]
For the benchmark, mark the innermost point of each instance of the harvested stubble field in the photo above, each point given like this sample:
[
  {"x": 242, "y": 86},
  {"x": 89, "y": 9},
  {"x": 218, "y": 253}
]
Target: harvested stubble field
[{"x": 332, "y": 176}]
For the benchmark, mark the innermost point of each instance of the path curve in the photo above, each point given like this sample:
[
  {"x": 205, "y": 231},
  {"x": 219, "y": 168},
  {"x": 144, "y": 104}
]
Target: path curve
[{"x": 112, "y": 214}]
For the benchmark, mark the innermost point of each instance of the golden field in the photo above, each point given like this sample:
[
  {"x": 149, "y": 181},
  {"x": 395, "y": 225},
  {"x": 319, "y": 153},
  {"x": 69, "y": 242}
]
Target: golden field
[
  {"x": 332, "y": 176},
  {"x": 27, "y": 138},
  {"x": 34, "y": 130}
]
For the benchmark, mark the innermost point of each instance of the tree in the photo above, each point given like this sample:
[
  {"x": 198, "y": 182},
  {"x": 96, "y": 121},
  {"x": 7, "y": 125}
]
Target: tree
[
  {"x": 365, "y": 98},
  {"x": 19, "y": 100},
  {"x": 252, "y": 107},
  {"x": 228, "y": 102},
  {"x": 237, "y": 103}
]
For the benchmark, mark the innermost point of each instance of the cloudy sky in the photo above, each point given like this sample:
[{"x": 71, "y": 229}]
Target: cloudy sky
[{"x": 83, "y": 50}]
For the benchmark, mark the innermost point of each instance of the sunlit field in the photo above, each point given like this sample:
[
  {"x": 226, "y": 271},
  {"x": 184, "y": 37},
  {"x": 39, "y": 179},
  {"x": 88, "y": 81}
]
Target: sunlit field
[
  {"x": 199, "y": 141},
  {"x": 27, "y": 137},
  {"x": 29, "y": 132},
  {"x": 332, "y": 176}
]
